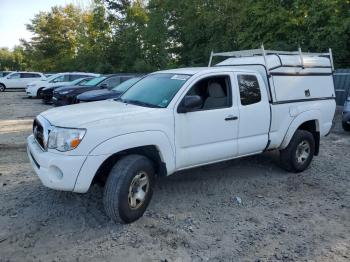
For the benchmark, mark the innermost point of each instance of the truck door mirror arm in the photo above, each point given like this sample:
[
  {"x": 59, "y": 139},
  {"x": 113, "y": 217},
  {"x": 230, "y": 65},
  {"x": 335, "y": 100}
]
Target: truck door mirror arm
[{"x": 189, "y": 103}]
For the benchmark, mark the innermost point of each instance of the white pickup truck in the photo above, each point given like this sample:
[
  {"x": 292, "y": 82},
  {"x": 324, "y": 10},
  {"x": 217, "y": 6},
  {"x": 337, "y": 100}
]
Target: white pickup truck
[{"x": 178, "y": 119}]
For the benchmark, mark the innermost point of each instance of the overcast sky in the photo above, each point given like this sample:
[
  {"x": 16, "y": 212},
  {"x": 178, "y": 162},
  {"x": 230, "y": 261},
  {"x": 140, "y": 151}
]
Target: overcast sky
[{"x": 15, "y": 14}]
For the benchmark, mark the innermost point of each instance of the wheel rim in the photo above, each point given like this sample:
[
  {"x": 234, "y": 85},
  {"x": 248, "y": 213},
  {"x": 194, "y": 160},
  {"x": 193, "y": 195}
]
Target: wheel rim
[
  {"x": 138, "y": 190},
  {"x": 2, "y": 88},
  {"x": 303, "y": 152}
]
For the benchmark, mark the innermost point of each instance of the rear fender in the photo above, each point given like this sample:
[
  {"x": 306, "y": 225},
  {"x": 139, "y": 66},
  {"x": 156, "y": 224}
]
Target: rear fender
[{"x": 297, "y": 122}]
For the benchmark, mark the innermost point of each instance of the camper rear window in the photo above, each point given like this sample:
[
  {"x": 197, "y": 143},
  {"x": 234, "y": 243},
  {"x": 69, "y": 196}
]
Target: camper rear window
[{"x": 249, "y": 89}]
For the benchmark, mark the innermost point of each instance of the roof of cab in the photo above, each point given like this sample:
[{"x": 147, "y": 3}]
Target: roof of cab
[{"x": 196, "y": 70}]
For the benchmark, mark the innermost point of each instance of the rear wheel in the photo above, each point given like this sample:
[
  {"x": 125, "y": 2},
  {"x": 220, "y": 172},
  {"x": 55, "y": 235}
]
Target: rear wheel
[
  {"x": 297, "y": 156},
  {"x": 129, "y": 188},
  {"x": 2, "y": 88}
]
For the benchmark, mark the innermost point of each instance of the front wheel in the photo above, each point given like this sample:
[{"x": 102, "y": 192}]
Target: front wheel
[
  {"x": 129, "y": 188},
  {"x": 2, "y": 88},
  {"x": 39, "y": 94},
  {"x": 297, "y": 156}
]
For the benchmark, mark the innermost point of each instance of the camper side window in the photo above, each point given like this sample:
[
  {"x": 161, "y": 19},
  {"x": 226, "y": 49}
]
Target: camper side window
[{"x": 249, "y": 89}]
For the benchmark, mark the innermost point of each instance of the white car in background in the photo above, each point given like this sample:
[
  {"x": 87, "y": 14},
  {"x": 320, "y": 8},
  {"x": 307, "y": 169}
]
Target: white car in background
[
  {"x": 19, "y": 80},
  {"x": 34, "y": 89}
]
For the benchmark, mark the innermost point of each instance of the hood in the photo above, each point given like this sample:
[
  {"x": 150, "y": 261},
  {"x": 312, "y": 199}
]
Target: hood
[
  {"x": 79, "y": 115},
  {"x": 96, "y": 95}
]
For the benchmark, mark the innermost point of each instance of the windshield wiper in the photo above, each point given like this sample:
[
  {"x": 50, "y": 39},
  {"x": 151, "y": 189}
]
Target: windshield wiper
[{"x": 139, "y": 103}]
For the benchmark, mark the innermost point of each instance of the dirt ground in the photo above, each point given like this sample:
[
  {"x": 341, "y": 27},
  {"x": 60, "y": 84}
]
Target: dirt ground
[{"x": 194, "y": 216}]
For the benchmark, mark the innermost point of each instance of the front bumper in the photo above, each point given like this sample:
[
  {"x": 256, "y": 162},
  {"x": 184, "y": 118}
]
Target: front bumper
[
  {"x": 63, "y": 172},
  {"x": 58, "y": 100},
  {"x": 56, "y": 171},
  {"x": 31, "y": 91}
]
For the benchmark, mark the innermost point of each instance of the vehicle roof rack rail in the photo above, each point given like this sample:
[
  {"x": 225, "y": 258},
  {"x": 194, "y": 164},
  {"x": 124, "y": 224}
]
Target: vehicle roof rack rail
[{"x": 262, "y": 52}]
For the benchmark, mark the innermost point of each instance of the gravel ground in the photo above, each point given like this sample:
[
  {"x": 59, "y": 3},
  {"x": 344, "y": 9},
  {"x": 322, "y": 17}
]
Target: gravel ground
[{"x": 241, "y": 210}]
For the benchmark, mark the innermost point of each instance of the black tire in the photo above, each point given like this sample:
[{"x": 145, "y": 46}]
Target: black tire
[
  {"x": 39, "y": 93},
  {"x": 117, "y": 188},
  {"x": 2, "y": 88},
  {"x": 288, "y": 156},
  {"x": 346, "y": 126}
]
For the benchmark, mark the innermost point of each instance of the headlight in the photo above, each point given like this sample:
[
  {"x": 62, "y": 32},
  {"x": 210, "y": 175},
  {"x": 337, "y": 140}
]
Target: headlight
[{"x": 65, "y": 139}]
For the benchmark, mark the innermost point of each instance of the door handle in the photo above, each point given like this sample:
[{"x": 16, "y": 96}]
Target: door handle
[{"x": 230, "y": 118}]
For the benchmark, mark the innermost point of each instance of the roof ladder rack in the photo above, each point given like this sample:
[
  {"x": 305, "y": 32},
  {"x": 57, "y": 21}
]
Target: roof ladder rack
[{"x": 262, "y": 52}]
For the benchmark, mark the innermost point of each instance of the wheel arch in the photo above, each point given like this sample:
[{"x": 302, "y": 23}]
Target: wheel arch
[
  {"x": 149, "y": 151},
  {"x": 39, "y": 89},
  {"x": 308, "y": 121},
  {"x": 153, "y": 144}
]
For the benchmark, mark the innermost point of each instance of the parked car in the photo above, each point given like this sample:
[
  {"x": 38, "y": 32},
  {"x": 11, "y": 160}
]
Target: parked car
[
  {"x": 19, "y": 79},
  {"x": 346, "y": 114},
  {"x": 5, "y": 73},
  {"x": 183, "y": 118},
  {"x": 103, "y": 94},
  {"x": 47, "y": 92},
  {"x": 68, "y": 95},
  {"x": 34, "y": 89}
]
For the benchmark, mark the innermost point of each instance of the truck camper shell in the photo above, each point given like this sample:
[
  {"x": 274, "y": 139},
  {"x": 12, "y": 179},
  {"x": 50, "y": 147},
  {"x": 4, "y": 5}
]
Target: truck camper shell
[{"x": 290, "y": 76}]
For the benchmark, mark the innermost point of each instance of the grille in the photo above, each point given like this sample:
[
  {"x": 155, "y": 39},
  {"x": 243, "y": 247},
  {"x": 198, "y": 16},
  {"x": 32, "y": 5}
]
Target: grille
[{"x": 38, "y": 132}]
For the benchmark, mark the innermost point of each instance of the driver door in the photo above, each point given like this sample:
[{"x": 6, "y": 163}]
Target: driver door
[{"x": 209, "y": 133}]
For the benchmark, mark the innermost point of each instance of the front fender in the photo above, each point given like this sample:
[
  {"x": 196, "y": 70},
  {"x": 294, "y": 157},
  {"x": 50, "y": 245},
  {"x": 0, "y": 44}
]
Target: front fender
[
  {"x": 119, "y": 143},
  {"x": 298, "y": 121}
]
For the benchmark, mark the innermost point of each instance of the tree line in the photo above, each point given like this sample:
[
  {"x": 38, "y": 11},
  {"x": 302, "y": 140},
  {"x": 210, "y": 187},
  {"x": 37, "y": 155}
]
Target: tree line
[{"x": 144, "y": 36}]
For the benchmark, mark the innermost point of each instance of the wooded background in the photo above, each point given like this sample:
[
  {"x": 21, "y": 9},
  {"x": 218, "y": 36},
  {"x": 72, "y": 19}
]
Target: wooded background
[{"x": 144, "y": 36}]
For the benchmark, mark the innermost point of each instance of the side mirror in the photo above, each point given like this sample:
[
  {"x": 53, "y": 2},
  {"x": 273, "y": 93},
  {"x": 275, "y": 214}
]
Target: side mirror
[
  {"x": 103, "y": 86},
  {"x": 189, "y": 103}
]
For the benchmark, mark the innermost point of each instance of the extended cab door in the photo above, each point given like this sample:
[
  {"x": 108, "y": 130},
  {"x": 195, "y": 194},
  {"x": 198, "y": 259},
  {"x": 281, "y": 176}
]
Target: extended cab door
[
  {"x": 208, "y": 133},
  {"x": 254, "y": 111}
]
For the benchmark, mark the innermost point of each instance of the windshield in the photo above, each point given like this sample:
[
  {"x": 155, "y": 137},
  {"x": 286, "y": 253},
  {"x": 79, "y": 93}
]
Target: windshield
[
  {"x": 156, "y": 90},
  {"x": 126, "y": 84},
  {"x": 95, "y": 81}
]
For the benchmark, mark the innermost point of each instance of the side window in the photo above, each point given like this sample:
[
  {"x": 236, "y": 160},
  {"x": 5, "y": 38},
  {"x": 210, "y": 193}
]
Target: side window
[
  {"x": 112, "y": 82},
  {"x": 215, "y": 92},
  {"x": 14, "y": 76},
  {"x": 249, "y": 89},
  {"x": 29, "y": 75},
  {"x": 58, "y": 79},
  {"x": 26, "y": 75},
  {"x": 75, "y": 77}
]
